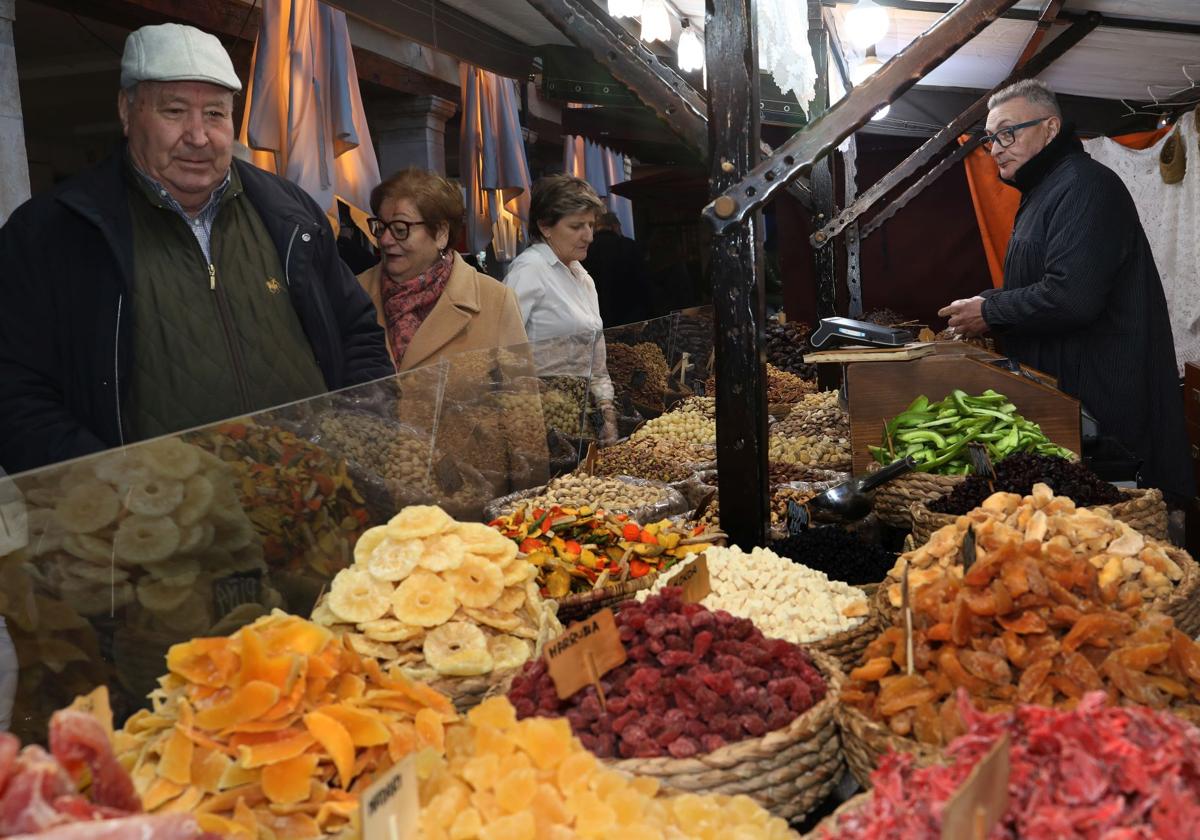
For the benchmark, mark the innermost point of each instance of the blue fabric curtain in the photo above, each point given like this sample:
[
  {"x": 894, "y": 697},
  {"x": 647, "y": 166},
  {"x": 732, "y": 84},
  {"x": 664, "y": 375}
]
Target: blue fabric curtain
[{"x": 603, "y": 169}]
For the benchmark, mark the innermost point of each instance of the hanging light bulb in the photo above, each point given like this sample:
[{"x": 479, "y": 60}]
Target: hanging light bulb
[
  {"x": 691, "y": 48},
  {"x": 656, "y": 22},
  {"x": 624, "y": 8},
  {"x": 862, "y": 71},
  {"x": 867, "y": 24}
]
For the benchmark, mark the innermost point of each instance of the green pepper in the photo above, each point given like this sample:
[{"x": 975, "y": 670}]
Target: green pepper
[
  {"x": 922, "y": 435},
  {"x": 948, "y": 455}
]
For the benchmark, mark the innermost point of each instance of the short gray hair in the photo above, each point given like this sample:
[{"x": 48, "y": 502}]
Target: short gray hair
[
  {"x": 1033, "y": 91},
  {"x": 556, "y": 196}
]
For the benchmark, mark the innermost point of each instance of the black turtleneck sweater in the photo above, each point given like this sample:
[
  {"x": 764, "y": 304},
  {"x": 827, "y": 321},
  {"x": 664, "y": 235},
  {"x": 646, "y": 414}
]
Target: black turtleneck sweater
[{"x": 1082, "y": 300}]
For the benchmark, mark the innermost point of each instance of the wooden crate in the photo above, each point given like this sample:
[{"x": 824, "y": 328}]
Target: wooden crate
[{"x": 881, "y": 390}]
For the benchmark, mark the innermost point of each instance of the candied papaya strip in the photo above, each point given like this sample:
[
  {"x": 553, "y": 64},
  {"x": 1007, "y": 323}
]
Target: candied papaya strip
[
  {"x": 911, "y": 700},
  {"x": 874, "y": 669},
  {"x": 1133, "y": 684},
  {"x": 885, "y": 643},
  {"x": 1032, "y": 680},
  {"x": 980, "y": 601},
  {"x": 961, "y": 624},
  {"x": 939, "y": 632},
  {"x": 1096, "y": 628},
  {"x": 1079, "y": 668},
  {"x": 899, "y": 685},
  {"x": 950, "y": 665},
  {"x": 1023, "y": 623},
  {"x": 1065, "y": 685},
  {"x": 1061, "y": 594},
  {"x": 1185, "y": 656},
  {"x": 986, "y": 666},
  {"x": 1142, "y": 657},
  {"x": 902, "y": 723},
  {"x": 927, "y": 725},
  {"x": 986, "y": 567},
  {"x": 1170, "y": 686},
  {"x": 1063, "y": 615},
  {"x": 1015, "y": 649}
]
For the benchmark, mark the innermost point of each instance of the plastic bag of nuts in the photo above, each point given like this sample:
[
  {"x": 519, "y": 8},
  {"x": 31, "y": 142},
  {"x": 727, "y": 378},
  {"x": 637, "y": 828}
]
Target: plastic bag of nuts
[{"x": 644, "y": 501}]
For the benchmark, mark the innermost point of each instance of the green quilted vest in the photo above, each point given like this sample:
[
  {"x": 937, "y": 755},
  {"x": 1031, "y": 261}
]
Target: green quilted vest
[{"x": 215, "y": 341}]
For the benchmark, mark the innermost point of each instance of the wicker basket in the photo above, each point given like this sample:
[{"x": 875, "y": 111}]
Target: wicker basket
[
  {"x": 1143, "y": 510},
  {"x": 847, "y": 647},
  {"x": 893, "y": 500},
  {"x": 583, "y": 604},
  {"x": 829, "y": 824},
  {"x": 864, "y": 740},
  {"x": 789, "y": 771}
]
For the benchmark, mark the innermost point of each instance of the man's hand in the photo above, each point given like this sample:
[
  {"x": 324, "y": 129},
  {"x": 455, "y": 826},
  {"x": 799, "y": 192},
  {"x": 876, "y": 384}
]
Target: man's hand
[{"x": 966, "y": 316}]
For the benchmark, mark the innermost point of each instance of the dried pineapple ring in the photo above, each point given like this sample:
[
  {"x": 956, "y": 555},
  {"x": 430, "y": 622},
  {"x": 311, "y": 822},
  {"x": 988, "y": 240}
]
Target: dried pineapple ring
[
  {"x": 160, "y": 596},
  {"x": 393, "y": 561},
  {"x": 96, "y": 574},
  {"x": 508, "y": 652},
  {"x": 368, "y": 542},
  {"x": 154, "y": 497},
  {"x": 389, "y": 630},
  {"x": 146, "y": 539},
  {"x": 518, "y": 570},
  {"x": 442, "y": 553},
  {"x": 494, "y": 618},
  {"x": 423, "y": 599},
  {"x": 88, "y": 507},
  {"x": 477, "y": 583},
  {"x": 458, "y": 649},
  {"x": 122, "y": 469},
  {"x": 418, "y": 521},
  {"x": 196, "y": 537},
  {"x": 369, "y": 647},
  {"x": 355, "y": 596},
  {"x": 198, "y": 495},
  {"x": 45, "y": 531},
  {"x": 180, "y": 571},
  {"x": 87, "y": 547},
  {"x": 510, "y": 600},
  {"x": 172, "y": 458},
  {"x": 486, "y": 541},
  {"x": 324, "y": 616}
]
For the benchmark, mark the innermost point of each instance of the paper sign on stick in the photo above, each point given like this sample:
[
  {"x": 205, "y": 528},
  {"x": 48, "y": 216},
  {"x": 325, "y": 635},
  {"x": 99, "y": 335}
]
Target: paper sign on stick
[
  {"x": 975, "y": 808},
  {"x": 390, "y": 808},
  {"x": 586, "y": 651},
  {"x": 694, "y": 580}
]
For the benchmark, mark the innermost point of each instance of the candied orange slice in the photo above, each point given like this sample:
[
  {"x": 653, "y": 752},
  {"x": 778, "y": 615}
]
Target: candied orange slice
[
  {"x": 208, "y": 662},
  {"x": 175, "y": 763},
  {"x": 430, "y": 732},
  {"x": 250, "y": 794},
  {"x": 332, "y": 810},
  {"x": 223, "y": 827},
  {"x": 294, "y": 635},
  {"x": 208, "y": 768},
  {"x": 336, "y": 741},
  {"x": 287, "y": 782},
  {"x": 403, "y": 740},
  {"x": 366, "y": 728},
  {"x": 160, "y": 792},
  {"x": 247, "y": 703},
  {"x": 184, "y": 803},
  {"x": 291, "y": 826},
  {"x": 273, "y": 752},
  {"x": 874, "y": 669},
  {"x": 350, "y": 687},
  {"x": 258, "y": 665}
]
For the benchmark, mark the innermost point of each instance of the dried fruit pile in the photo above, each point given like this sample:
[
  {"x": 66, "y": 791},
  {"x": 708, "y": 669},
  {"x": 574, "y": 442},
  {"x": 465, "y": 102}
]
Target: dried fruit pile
[
  {"x": 277, "y": 728},
  {"x": 812, "y": 435},
  {"x": 564, "y": 403},
  {"x": 837, "y": 553},
  {"x": 784, "y": 600},
  {"x": 1141, "y": 568},
  {"x": 581, "y": 549},
  {"x": 638, "y": 373},
  {"x": 394, "y": 452},
  {"x": 438, "y": 598},
  {"x": 598, "y": 492},
  {"x": 786, "y": 345},
  {"x": 680, "y": 427},
  {"x": 1018, "y": 473},
  {"x": 503, "y": 778},
  {"x": 653, "y": 458},
  {"x": 1093, "y": 772},
  {"x": 301, "y": 501},
  {"x": 783, "y": 388},
  {"x": 78, "y": 790},
  {"x": 695, "y": 680},
  {"x": 1029, "y": 622}
]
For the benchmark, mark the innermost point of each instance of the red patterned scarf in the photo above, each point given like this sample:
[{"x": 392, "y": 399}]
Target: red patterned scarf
[{"x": 407, "y": 303}]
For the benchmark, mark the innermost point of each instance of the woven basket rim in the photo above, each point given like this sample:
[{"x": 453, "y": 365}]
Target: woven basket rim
[
  {"x": 618, "y": 590},
  {"x": 805, "y": 724},
  {"x": 862, "y": 728},
  {"x": 830, "y": 822}
]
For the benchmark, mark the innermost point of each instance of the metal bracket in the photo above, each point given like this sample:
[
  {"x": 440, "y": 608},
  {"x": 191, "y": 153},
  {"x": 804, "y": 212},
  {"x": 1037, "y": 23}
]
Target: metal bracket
[
  {"x": 804, "y": 148},
  {"x": 853, "y": 251},
  {"x": 958, "y": 126}
]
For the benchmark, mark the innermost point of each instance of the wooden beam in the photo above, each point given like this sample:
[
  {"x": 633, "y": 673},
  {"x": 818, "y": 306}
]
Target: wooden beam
[
  {"x": 1168, "y": 27},
  {"x": 932, "y": 147},
  {"x": 736, "y": 273},
  {"x": 442, "y": 27},
  {"x": 237, "y": 25},
  {"x": 851, "y": 113},
  {"x": 1050, "y": 10}
]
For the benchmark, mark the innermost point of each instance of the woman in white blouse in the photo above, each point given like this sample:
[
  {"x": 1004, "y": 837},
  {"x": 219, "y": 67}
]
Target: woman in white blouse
[{"x": 557, "y": 296}]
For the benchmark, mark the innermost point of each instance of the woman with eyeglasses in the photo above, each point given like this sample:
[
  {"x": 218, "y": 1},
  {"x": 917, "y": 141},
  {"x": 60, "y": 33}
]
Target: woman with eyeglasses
[{"x": 428, "y": 300}]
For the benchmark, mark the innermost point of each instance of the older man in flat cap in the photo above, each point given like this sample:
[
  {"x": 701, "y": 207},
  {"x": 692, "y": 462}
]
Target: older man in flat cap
[{"x": 171, "y": 286}]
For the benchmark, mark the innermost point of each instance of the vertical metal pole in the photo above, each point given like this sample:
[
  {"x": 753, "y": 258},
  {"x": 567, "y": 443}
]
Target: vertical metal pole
[
  {"x": 824, "y": 259},
  {"x": 736, "y": 272}
]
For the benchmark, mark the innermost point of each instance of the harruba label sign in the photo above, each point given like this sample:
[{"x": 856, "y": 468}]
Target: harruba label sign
[{"x": 586, "y": 651}]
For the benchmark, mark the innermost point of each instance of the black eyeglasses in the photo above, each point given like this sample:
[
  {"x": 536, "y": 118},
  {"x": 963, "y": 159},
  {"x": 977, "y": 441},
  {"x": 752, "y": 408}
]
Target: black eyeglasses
[
  {"x": 397, "y": 227},
  {"x": 1008, "y": 135}
]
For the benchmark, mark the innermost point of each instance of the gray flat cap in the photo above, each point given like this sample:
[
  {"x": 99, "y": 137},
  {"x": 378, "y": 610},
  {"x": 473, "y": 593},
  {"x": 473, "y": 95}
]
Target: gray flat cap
[{"x": 171, "y": 52}]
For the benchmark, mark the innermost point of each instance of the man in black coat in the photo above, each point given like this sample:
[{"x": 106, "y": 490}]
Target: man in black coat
[
  {"x": 1082, "y": 299},
  {"x": 614, "y": 262},
  {"x": 170, "y": 286}
]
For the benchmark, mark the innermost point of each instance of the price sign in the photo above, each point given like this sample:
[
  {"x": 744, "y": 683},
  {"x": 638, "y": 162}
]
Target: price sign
[
  {"x": 967, "y": 553},
  {"x": 693, "y": 578},
  {"x": 586, "y": 651},
  {"x": 975, "y": 808},
  {"x": 390, "y": 807},
  {"x": 236, "y": 589}
]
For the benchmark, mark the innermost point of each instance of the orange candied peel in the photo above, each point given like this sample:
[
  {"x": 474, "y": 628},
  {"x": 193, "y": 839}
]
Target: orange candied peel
[
  {"x": 273, "y": 731},
  {"x": 503, "y": 779}
]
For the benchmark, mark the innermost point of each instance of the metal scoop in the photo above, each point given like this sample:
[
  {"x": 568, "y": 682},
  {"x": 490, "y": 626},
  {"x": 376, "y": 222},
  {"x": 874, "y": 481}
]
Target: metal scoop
[{"x": 851, "y": 500}]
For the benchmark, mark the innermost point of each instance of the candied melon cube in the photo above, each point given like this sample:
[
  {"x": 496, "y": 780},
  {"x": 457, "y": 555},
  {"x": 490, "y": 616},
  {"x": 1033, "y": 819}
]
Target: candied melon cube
[
  {"x": 513, "y": 827},
  {"x": 495, "y": 711},
  {"x": 515, "y": 789},
  {"x": 546, "y": 741},
  {"x": 466, "y": 825},
  {"x": 575, "y": 771},
  {"x": 548, "y": 808},
  {"x": 481, "y": 771}
]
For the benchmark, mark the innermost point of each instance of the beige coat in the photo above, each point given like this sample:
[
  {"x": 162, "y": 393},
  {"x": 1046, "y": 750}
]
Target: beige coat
[{"x": 475, "y": 312}]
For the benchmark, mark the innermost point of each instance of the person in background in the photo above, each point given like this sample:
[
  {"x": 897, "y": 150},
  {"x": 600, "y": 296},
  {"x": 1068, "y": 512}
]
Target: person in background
[
  {"x": 556, "y": 294},
  {"x": 429, "y": 301},
  {"x": 614, "y": 262},
  {"x": 1082, "y": 299},
  {"x": 171, "y": 286}
]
